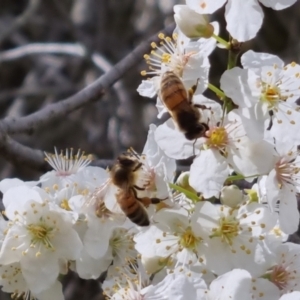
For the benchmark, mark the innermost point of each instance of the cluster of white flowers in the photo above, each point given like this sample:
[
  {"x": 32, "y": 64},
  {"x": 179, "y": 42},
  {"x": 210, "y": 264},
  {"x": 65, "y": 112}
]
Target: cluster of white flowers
[{"x": 208, "y": 239}]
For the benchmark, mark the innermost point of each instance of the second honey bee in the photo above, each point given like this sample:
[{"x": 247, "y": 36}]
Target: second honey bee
[
  {"x": 124, "y": 176},
  {"x": 178, "y": 101}
]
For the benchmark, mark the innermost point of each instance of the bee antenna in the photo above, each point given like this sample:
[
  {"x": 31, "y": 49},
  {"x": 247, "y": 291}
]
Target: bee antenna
[{"x": 133, "y": 152}]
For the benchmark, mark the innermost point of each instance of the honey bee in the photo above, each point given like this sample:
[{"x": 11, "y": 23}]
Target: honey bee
[
  {"x": 123, "y": 175},
  {"x": 178, "y": 101}
]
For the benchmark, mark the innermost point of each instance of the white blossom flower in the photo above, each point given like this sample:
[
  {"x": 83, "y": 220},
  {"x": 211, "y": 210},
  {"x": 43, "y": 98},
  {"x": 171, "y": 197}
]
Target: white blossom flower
[
  {"x": 13, "y": 281},
  {"x": 227, "y": 145},
  {"x": 265, "y": 91},
  {"x": 239, "y": 284},
  {"x": 186, "y": 58},
  {"x": 237, "y": 234},
  {"x": 38, "y": 236},
  {"x": 247, "y": 14},
  {"x": 172, "y": 235},
  {"x": 282, "y": 185},
  {"x": 174, "y": 286},
  {"x": 285, "y": 270},
  {"x": 72, "y": 171},
  {"x": 174, "y": 143}
]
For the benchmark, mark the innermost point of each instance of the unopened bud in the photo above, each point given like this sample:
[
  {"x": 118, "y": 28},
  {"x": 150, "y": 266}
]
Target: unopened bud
[
  {"x": 153, "y": 264},
  {"x": 231, "y": 196},
  {"x": 192, "y": 24},
  {"x": 183, "y": 181}
]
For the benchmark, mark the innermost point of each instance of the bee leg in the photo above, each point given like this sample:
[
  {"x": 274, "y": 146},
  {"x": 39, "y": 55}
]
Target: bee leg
[
  {"x": 192, "y": 91},
  {"x": 147, "y": 201},
  {"x": 137, "y": 167},
  {"x": 271, "y": 114},
  {"x": 138, "y": 188},
  {"x": 200, "y": 106},
  {"x": 157, "y": 200}
]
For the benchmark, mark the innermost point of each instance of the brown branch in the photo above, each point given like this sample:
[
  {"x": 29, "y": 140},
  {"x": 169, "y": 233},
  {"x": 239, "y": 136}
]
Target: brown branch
[
  {"x": 20, "y": 154},
  {"x": 92, "y": 92},
  {"x": 17, "y": 153},
  {"x": 21, "y": 20}
]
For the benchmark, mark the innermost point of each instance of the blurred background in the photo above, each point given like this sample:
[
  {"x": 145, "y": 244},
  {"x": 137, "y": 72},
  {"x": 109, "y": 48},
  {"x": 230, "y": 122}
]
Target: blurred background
[{"x": 109, "y": 29}]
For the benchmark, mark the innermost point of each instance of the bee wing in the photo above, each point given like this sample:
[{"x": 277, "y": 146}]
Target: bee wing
[
  {"x": 98, "y": 195},
  {"x": 110, "y": 200}
]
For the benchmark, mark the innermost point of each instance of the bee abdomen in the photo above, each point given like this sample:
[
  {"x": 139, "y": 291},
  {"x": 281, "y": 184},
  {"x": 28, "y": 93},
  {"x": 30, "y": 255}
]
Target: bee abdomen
[
  {"x": 139, "y": 217},
  {"x": 173, "y": 91},
  {"x": 133, "y": 209}
]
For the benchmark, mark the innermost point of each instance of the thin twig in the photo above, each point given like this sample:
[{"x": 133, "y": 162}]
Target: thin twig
[
  {"x": 92, "y": 92},
  {"x": 21, "y": 20},
  {"x": 20, "y": 154}
]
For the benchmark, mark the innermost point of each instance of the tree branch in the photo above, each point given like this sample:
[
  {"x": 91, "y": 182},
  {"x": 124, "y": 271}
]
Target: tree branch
[
  {"x": 21, "y": 20},
  {"x": 92, "y": 92}
]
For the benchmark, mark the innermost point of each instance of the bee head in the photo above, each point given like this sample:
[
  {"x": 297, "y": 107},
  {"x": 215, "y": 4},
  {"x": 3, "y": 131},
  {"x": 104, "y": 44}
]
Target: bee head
[{"x": 197, "y": 131}]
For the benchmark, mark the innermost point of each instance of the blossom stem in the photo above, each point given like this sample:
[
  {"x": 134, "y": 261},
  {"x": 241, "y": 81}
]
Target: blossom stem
[
  {"x": 189, "y": 194},
  {"x": 217, "y": 91},
  {"x": 221, "y": 41},
  {"x": 239, "y": 177},
  {"x": 233, "y": 53}
]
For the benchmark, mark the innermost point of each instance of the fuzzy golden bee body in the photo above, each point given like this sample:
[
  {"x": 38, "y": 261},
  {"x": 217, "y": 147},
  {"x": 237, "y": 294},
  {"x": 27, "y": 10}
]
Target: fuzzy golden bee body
[
  {"x": 123, "y": 175},
  {"x": 178, "y": 101}
]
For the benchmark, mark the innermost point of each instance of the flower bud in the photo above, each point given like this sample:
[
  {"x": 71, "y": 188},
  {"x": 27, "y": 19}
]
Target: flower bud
[
  {"x": 192, "y": 24},
  {"x": 154, "y": 264},
  {"x": 231, "y": 196},
  {"x": 183, "y": 181}
]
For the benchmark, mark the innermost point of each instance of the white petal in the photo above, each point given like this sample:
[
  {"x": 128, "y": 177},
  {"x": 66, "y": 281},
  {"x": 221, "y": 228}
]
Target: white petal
[
  {"x": 263, "y": 289},
  {"x": 147, "y": 89},
  {"x": 240, "y": 85},
  {"x": 253, "y": 119},
  {"x": 252, "y": 158},
  {"x": 53, "y": 292},
  {"x": 278, "y": 5},
  {"x": 40, "y": 272},
  {"x": 234, "y": 285},
  {"x": 291, "y": 296},
  {"x": 70, "y": 244},
  {"x": 90, "y": 268},
  {"x": 8, "y": 183},
  {"x": 173, "y": 142},
  {"x": 256, "y": 60},
  {"x": 208, "y": 173},
  {"x": 205, "y": 6},
  {"x": 15, "y": 198},
  {"x": 288, "y": 211},
  {"x": 247, "y": 14}
]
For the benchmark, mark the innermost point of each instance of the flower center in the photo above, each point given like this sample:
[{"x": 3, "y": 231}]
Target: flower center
[
  {"x": 41, "y": 233},
  {"x": 271, "y": 94},
  {"x": 65, "y": 205},
  {"x": 168, "y": 54},
  {"x": 280, "y": 277},
  {"x": 188, "y": 240},
  {"x": 286, "y": 172},
  {"x": 228, "y": 229},
  {"x": 217, "y": 137}
]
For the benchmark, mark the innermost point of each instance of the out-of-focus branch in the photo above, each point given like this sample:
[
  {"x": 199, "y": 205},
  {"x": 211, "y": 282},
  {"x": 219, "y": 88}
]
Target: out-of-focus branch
[
  {"x": 20, "y": 154},
  {"x": 92, "y": 92},
  {"x": 36, "y": 92},
  {"x": 21, "y": 20}
]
